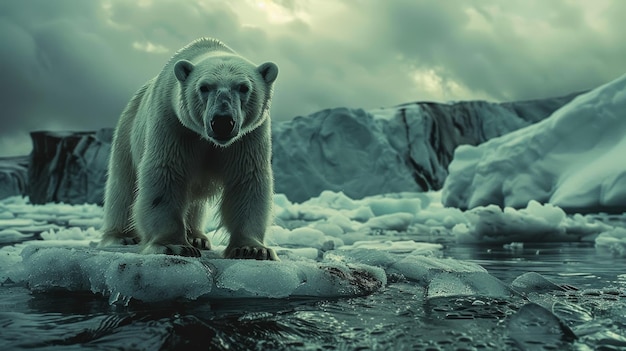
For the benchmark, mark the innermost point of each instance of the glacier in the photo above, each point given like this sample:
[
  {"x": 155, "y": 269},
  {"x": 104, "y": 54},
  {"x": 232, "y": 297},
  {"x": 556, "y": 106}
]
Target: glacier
[
  {"x": 361, "y": 153},
  {"x": 573, "y": 159}
]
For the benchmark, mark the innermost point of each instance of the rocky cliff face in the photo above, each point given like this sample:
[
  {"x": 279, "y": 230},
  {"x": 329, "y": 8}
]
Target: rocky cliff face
[
  {"x": 13, "y": 176},
  {"x": 403, "y": 148},
  {"x": 68, "y": 167}
]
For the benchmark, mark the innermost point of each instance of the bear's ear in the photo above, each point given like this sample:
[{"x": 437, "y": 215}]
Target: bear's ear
[
  {"x": 269, "y": 72},
  {"x": 182, "y": 69}
]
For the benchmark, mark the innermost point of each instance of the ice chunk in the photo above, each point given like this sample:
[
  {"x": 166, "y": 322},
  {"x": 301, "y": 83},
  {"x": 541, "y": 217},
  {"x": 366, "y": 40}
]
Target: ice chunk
[
  {"x": 16, "y": 222},
  {"x": 448, "y": 284},
  {"x": 301, "y": 237},
  {"x": 535, "y": 223},
  {"x": 415, "y": 266},
  {"x": 123, "y": 275},
  {"x": 8, "y": 236},
  {"x": 534, "y": 327},
  {"x": 532, "y": 282},
  {"x": 422, "y": 268},
  {"x": 613, "y": 241},
  {"x": 85, "y": 222},
  {"x": 568, "y": 159},
  {"x": 399, "y": 246},
  {"x": 384, "y": 206},
  {"x": 396, "y": 221}
]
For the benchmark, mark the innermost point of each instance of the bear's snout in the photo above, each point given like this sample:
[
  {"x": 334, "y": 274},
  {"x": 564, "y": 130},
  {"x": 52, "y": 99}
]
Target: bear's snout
[{"x": 223, "y": 127}]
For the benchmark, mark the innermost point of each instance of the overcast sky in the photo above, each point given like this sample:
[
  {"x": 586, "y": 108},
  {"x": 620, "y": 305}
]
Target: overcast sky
[{"x": 74, "y": 64}]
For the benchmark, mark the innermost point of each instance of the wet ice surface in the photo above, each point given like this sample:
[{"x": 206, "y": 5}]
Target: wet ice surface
[{"x": 425, "y": 287}]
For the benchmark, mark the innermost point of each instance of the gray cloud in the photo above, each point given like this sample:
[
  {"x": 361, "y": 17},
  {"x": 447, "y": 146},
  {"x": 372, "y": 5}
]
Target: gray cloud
[{"x": 71, "y": 64}]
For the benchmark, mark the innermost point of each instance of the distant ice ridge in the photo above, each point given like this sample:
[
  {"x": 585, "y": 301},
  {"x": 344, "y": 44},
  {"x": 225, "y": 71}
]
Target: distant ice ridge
[
  {"x": 330, "y": 245},
  {"x": 575, "y": 159},
  {"x": 362, "y": 153},
  {"x": 401, "y": 148}
]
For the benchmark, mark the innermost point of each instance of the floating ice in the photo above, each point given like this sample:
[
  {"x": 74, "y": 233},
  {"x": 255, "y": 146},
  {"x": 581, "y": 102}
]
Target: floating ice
[
  {"x": 535, "y": 223},
  {"x": 419, "y": 266},
  {"x": 8, "y": 236},
  {"x": 399, "y": 246},
  {"x": 533, "y": 282},
  {"x": 395, "y": 221},
  {"x": 151, "y": 278},
  {"x": 534, "y": 327},
  {"x": 614, "y": 241},
  {"x": 330, "y": 246},
  {"x": 448, "y": 284}
]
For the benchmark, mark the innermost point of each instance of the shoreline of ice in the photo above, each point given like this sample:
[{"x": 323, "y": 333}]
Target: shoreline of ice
[{"x": 330, "y": 245}]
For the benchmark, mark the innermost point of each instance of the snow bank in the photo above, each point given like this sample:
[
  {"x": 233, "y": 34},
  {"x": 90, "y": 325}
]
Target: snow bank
[
  {"x": 613, "y": 241},
  {"x": 535, "y": 223},
  {"x": 573, "y": 159}
]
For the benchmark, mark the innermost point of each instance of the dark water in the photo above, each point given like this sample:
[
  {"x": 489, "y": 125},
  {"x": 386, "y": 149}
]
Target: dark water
[{"x": 592, "y": 306}]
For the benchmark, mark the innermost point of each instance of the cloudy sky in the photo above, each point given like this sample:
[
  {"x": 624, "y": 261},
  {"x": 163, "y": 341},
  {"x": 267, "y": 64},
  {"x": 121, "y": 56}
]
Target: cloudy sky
[{"x": 74, "y": 64}]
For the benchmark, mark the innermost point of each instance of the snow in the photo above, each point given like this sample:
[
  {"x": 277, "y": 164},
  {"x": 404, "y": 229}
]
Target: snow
[
  {"x": 535, "y": 223},
  {"x": 613, "y": 241},
  {"x": 573, "y": 159},
  {"x": 330, "y": 246},
  {"x": 401, "y": 148}
]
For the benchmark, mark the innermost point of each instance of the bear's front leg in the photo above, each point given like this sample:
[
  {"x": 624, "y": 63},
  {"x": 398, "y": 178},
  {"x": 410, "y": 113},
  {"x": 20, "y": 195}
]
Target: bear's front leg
[
  {"x": 160, "y": 209},
  {"x": 246, "y": 209}
]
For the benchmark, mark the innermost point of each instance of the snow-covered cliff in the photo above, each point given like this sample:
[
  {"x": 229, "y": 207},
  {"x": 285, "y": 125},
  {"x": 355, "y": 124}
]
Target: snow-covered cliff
[
  {"x": 362, "y": 153},
  {"x": 403, "y": 148},
  {"x": 575, "y": 159}
]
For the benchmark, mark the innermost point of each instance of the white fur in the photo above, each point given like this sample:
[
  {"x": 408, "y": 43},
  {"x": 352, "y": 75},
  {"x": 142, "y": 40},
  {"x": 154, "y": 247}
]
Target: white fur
[{"x": 165, "y": 163}]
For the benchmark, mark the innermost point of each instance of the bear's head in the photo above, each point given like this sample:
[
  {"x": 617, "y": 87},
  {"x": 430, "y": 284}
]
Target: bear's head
[{"x": 224, "y": 96}]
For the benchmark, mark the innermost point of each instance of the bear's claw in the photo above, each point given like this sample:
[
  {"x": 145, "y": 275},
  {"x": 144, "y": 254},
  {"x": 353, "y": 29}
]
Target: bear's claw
[
  {"x": 199, "y": 243},
  {"x": 252, "y": 253},
  {"x": 180, "y": 250}
]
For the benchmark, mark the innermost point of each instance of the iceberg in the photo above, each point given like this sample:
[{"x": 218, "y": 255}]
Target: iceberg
[{"x": 572, "y": 159}]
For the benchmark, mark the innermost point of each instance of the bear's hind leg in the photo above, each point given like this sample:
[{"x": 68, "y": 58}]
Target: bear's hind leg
[{"x": 119, "y": 197}]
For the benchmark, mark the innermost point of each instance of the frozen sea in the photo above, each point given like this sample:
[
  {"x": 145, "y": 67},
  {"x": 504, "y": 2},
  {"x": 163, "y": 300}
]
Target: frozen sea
[{"x": 396, "y": 271}]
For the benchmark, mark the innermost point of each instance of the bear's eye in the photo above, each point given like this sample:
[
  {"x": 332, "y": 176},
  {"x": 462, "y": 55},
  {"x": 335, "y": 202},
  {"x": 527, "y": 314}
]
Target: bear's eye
[
  {"x": 205, "y": 88},
  {"x": 243, "y": 89}
]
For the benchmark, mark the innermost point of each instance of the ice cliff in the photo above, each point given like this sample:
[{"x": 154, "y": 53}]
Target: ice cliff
[
  {"x": 402, "y": 148},
  {"x": 13, "y": 176},
  {"x": 574, "y": 159}
]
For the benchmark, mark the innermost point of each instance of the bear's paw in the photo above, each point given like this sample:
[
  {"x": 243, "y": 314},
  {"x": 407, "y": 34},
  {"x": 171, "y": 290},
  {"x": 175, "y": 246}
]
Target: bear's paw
[
  {"x": 251, "y": 253},
  {"x": 200, "y": 243},
  {"x": 169, "y": 249}
]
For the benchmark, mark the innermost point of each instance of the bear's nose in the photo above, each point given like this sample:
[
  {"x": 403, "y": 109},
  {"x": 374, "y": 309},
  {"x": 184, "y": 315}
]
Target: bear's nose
[{"x": 223, "y": 126}]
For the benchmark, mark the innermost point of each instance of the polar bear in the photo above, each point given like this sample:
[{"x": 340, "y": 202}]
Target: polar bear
[{"x": 198, "y": 131}]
